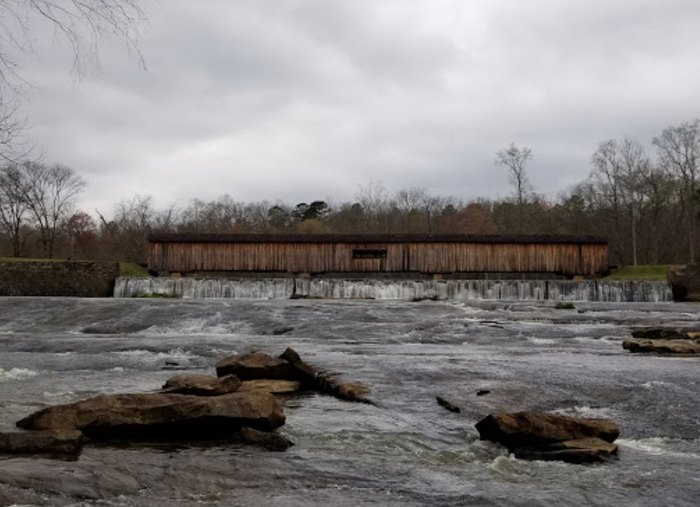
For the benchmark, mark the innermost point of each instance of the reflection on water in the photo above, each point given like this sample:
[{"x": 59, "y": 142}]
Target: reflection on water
[{"x": 406, "y": 450}]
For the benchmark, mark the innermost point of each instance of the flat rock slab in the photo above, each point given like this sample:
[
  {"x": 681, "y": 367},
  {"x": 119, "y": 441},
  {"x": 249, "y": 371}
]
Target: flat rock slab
[
  {"x": 42, "y": 442},
  {"x": 533, "y": 429},
  {"x": 202, "y": 385},
  {"x": 675, "y": 346},
  {"x": 270, "y": 386},
  {"x": 161, "y": 416},
  {"x": 253, "y": 366}
]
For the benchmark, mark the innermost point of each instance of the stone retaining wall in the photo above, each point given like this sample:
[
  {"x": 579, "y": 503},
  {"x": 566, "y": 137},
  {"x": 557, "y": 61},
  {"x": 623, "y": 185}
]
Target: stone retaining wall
[
  {"x": 685, "y": 281},
  {"x": 58, "y": 278}
]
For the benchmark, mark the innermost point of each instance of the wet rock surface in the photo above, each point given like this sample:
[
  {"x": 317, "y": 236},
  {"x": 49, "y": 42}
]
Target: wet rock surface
[
  {"x": 318, "y": 380},
  {"x": 253, "y": 366},
  {"x": 189, "y": 408},
  {"x": 61, "y": 442},
  {"x": 681, "y": 347},
  {"x": 582, "y": 450},
  {"x": 664, "y": 340},
  {"x": 539, "y": 435},
  {"x": 202, "y": 385},
  {"x": 664, "y": 333},
  {"x": 160, "y": 415},
  {"x": 447, "y": 405},
  {"x": 267, "y": 439},
  {"x": 271, "y": 386}
]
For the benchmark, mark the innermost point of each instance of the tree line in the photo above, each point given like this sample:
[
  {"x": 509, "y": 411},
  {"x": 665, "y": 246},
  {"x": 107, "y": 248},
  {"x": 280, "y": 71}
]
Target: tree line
[{"x": 645, "y": 205}]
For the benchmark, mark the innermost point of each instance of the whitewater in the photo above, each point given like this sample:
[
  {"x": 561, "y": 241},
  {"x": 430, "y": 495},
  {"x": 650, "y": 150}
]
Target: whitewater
[{"x": 405, "y": 450}]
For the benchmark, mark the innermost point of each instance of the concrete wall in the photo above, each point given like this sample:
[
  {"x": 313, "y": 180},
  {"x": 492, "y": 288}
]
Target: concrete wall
[{"x": 58, "y": 278}]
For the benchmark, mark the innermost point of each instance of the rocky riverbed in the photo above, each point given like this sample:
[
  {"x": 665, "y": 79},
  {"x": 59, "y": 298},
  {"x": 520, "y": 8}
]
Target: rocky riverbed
[{"x": 401, "y": 449}]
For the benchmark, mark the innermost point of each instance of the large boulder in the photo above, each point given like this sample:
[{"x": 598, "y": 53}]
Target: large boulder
[
  {"x": 684, "y": 347},
  {"x": 161, "y": 416},
  {"x": 42, "y": 442},
  {"x": 533, "y": 429},
  {"x": 253, "y": 366},
  {"x": 202, "y": 385}
]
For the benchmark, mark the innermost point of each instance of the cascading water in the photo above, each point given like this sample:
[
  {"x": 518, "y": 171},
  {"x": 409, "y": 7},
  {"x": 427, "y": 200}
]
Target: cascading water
[{"x": 284, "y": 288}]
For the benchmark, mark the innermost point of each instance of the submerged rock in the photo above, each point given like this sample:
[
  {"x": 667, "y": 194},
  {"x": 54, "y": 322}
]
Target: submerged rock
[
  {"x": 538, "y": 435},
  {"x": 583, "y": 450},
  {"x": 674, "y": 346},
  {"x": 253, "y": 366},
  {"x": 352, "y": 391},
  {"x": 447, "y": 405},
  {"x": 161, "y": 416},
  {"x": 202, "y": 385},
  {"x": 42, "y": 442},
  {"x": 267, "y": 439}
]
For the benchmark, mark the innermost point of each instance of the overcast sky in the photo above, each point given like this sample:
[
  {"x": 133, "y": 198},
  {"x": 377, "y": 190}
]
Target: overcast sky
[{"x": 300, "y": 100}]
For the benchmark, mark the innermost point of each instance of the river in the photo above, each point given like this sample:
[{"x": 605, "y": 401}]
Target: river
[{"x": 404, "y": 451}]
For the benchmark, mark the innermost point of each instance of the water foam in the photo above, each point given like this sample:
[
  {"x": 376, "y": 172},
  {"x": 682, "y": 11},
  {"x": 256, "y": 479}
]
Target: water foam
[
  {"x": 213, "y": 325},
  {"x": 17, "y": 374},
  {"x": 658, "y": 446},
  {"x": 586, "y": 411},
  {"x": 542, "y": 341}
]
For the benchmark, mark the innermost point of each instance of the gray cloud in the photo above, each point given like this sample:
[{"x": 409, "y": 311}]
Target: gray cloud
[{"x": 305, "y": 99}]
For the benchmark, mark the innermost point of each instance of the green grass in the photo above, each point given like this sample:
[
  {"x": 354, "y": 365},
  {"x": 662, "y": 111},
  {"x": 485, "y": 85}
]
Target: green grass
[
  {"x": 132, "y": 269},
  {"x": 647, "y": 272}
]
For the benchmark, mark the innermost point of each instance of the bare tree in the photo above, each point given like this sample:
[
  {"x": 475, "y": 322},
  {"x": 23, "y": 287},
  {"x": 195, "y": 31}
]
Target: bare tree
[
  {"x": 13, "y": 206},
  {"x": 82, "y": 23},
  {"x": 620, "y": 174},
  {"x": 50, "y": 192},
  {"x": 13, "y": 143},
  {"x": 374, "y": 203},
  {"x": 679, "y": 152},
  {"x": 515, "y": 159}
]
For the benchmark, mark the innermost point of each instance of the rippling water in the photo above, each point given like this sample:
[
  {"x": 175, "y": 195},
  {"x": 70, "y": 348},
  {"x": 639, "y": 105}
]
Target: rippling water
[{"x": 406, "y": 450}]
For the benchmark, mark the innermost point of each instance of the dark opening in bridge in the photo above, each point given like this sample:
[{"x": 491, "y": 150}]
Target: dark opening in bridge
[{"x": 369, "y": 253}]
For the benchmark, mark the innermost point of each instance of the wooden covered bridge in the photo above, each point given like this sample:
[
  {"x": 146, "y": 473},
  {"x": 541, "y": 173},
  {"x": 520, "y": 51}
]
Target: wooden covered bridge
[{"x": 460, "y": 256}]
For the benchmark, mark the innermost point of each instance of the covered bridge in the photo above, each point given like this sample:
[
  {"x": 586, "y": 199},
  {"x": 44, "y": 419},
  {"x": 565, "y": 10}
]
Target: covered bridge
[{"x": 382, "y": 255}]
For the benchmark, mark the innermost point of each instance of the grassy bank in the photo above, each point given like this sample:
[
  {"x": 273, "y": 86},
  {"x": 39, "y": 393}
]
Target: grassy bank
[
  {"x": 647, "y": 272},
  {"x": 132, "y": 269}
]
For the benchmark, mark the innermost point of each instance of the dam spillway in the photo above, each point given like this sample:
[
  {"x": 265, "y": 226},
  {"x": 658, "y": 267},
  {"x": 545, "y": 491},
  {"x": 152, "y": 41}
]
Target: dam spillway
[{"x": 407, "y": 290}]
